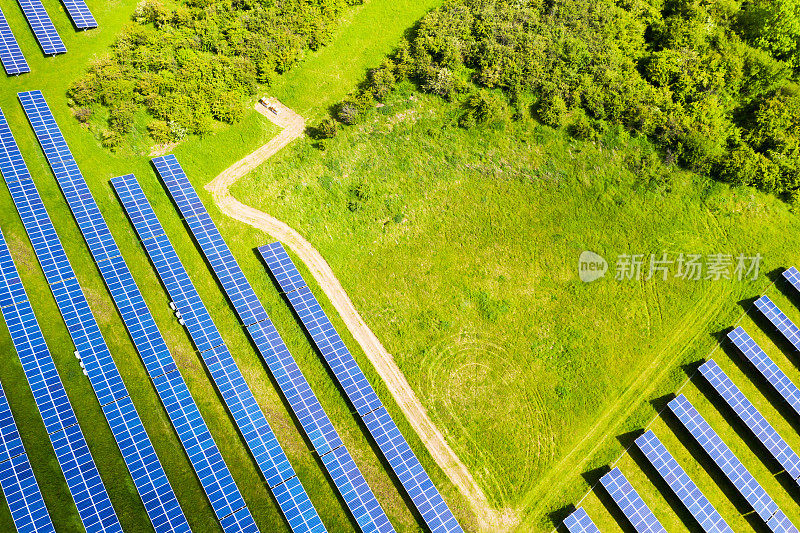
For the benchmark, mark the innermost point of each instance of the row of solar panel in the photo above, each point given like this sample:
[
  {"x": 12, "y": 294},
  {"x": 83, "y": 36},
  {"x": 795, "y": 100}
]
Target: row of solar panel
[
  {"x": 379, "y": 423},
  {"x": 214, "y": 475},
  {"x": 708, "y": 518},
  {"x": 295, "y": 388},
  {"x": 259, "y": 437},
  {"x": 43, "y": 29}
]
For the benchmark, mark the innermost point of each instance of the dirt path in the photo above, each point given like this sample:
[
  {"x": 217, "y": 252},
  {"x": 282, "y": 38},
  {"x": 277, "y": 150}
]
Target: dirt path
[{"x": 293, "y": 126}]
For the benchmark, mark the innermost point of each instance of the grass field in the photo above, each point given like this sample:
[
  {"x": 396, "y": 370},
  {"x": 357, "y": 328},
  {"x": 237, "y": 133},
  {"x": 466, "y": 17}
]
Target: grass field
[
  {"x": 203, "y": 159},
  {"x": 460, "y": 249}
]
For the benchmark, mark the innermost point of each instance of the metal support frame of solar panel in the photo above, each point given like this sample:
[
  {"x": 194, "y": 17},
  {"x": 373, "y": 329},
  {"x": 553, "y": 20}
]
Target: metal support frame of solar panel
[
  {"x": 259, "y": 437},
  {"x": 192, "y": 431},
  {"x": 379, "y": 423},
  {"x": 752, "y": 418},
  {"x": 10, "y": 53},
  {"x": 42, "y": 27},
  {"x": 730, "y": 465},
  {"x": 579, "y": 522},
  {"x": 294, "y": 386},
  {"x": 19, "y": 485},
  {"x": 83, "y": 479},
  {"x": 137, "y": 450},
  {"x": 79, "y": 12},
  {"x": 681, "y": 484},
  {"x": 766, "y": 367},
  {"x": 630, "y": 503}
]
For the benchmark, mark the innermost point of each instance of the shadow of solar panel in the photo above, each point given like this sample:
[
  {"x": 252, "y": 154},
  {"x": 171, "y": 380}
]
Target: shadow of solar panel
[
  {"x": 724, "y": 458},
  {"x": 10, "y": 53},
  {"x": 384, "y": 431},
  {"x": 681, "y": 484},
  {"x": 104, "y": 376},
  {"x": 230, "y": 383},
  {"x": 752, "y": 418},
  {"x": 579, "y": 522},
  {"x": 766, "y": 367},
  {"x": 630, "y": 503},
  {"x": 79, "y": 13},
  {"x": 42, "y": 27}
]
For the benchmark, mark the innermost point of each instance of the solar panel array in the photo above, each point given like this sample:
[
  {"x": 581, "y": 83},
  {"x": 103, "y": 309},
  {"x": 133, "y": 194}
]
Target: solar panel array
[
  {"x": 19, "y": 486},
  {"x": 579, "y": 522},
  {"x": 764, "y": 506},
  {"x": 148, "y": 475},
  {"x": 630, "y": 503},
  {"x": 792, "y": 275},
  {"x": 752, "y": 418},
  {"x": 80, "y": 14},
  {"x": 10, "y": 54},
  {"x": 393, "y": 445},
  {"x": 681, "y": 484},
  {"x": 195, "y": 436},
  {"x": 777, "y": 318},
  {"x": 83, "y": 479},
  {"x": 238, "y": 397},
  {"x": 294, "y": 386},
  {"x": 774, "y": 375},
  {"x": 42, "y": 27}
]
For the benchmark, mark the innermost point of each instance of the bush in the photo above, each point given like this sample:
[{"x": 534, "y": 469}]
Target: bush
[{"x": 83, "y": 114}]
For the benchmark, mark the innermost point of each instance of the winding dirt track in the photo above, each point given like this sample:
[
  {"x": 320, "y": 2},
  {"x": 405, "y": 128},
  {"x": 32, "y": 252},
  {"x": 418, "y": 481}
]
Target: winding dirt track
[{"x": 293, "y": 127}]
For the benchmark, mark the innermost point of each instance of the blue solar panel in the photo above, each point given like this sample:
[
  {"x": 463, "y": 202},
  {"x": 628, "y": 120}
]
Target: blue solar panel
[
  {"x": 630, "y": 503},
  {"x": 782, "y": 323},
  {"x": 10, "y": 54},
  {"x": 753, "y": 419},
  {"x": 579, "y": 522},
  {"x": 80, "y": 14},
  {"x": 238, "y": 397},
  {"x": 774, "y": 375},
  {"x": 792, "y": 275},
  {"x": 162, "y": 508},
  {"x": 379, "y": 423},
  {"x": 42, "y": 27},
  {"x": 681, "y": 484},
  {"x": 19, "y": 486},
  {"x": 294, "y": 386},
  {"x": 724, "y": 458},
  {"x": 141, "y": 326},
  {"x": 83, "y": 480}
]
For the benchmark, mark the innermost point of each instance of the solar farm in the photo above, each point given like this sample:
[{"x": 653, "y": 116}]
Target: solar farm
[
  {"x": 93, "y": 354},
  {"x": 732, "y": 427}
]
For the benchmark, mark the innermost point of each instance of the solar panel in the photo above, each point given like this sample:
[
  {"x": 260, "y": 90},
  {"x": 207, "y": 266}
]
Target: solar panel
[
  {"x": 83, "y": 479},
  {"x": 189, "y": 424},
  {"x": 782, "y": 323},
  {"x": 681, "y": 484},
  {"x": 630, "y": 503},
  {"x": 294, "y": 386},
  {"x": 230, "y": 383},
  {"x": 579, "y": 522},
  {"x": 774, "y": 375},
  {"x": 724, "y": 458},
  {"x": 753, "y": 419},
  {"x": 42, "y": 27},
  {"x": 80, "y": 14},
  {"x": 162, "y": 507},
  {"x": 792, "y": 275},
  {"x": 19, "y": 486},
  {"x": 10, "y": 54},
  {"x": 379, "y": 423}
]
